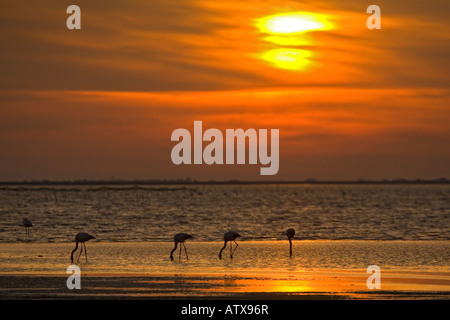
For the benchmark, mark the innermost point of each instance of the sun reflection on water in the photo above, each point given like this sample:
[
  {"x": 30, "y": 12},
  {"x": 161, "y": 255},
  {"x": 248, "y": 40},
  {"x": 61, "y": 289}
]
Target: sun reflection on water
[{"x": 289, "y": 58}]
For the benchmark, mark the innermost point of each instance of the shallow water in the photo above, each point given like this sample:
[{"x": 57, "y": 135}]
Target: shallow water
[
  {"x": 257, "y": 212},
  {"x": 318, "y": 268},
  {"x": 251, "y": 257}
]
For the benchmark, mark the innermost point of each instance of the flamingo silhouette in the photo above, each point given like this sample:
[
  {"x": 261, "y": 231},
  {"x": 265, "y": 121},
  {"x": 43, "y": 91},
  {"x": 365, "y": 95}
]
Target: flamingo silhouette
[
  {"x": 180, "y": 238},
  {"x": 229, "y": 236},
  {"x": 27, "y": 224},
  {"x": 81, "y": 237},
  {"x": 290, "y": 234}
]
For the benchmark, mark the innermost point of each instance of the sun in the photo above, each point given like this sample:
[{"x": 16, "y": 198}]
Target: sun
[{"x": 293, "y": 23}]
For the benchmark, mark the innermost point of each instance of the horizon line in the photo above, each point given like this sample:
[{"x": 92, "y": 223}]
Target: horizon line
[{"x": 230, "y": 181}]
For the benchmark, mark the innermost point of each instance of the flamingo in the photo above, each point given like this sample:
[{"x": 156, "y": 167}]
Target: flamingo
[
  {"x": 27, "y": 224},
  {"x": 180, "y": 238},
  {"x": 290, "y": 234},
  {"x": 81, "y": 237},
  {"x": 229, "y": 236}
]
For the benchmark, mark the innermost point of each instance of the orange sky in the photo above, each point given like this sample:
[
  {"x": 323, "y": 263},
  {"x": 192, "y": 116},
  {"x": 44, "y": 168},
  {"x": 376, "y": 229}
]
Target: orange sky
[{"x": 102, "y": 101}]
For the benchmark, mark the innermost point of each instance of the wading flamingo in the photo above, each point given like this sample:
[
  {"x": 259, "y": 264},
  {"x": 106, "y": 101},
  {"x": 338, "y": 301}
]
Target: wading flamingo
[
  {"x": 27, "y": 224},
  {"x": 290, "y": 234},
  {"x": 81, "y": 237},
  {"x": 229, "y": 236},
  {"x": 180, "y": 238}
]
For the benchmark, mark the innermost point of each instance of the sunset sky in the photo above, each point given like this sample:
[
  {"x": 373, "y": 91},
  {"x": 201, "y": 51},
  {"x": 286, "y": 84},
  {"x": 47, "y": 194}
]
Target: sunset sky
[{"x": 102, "y": 101}]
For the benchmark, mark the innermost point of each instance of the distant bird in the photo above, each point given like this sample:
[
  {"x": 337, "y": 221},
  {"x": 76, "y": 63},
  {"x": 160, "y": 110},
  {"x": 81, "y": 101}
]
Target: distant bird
[
  {"x": 27, "y": 224},
  {"x": 180, "y": 238},
  {"x": 81, "y": 237},
  {"x": 290, "y": 234},
  {"x": 229, "y": 236}
]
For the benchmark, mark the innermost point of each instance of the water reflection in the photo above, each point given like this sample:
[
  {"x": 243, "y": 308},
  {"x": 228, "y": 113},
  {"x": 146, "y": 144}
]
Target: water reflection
[{"x": 291, "y": 59}]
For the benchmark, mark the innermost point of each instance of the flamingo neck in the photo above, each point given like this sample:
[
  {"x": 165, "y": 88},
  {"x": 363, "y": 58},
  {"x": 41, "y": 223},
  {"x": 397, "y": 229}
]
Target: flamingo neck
[
  {"x": 171, "y": 252},
  {"x": 224, "y": 246},
  {"x": 73, "y": 251}
]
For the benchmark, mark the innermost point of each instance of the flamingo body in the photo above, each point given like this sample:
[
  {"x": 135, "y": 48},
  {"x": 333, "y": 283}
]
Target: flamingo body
[
  {"x": 290, "y": 233},
  {"x": 27, "y": 223}
]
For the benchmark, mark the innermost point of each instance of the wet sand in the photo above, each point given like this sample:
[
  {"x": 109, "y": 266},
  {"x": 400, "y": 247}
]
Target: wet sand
[
  {"x": 115, "y": 271},
  {"x": 317, "y": 285}
]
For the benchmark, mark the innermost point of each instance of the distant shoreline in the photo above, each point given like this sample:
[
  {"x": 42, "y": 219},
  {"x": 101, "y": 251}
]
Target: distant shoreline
[{"x": 220, "y": 182}]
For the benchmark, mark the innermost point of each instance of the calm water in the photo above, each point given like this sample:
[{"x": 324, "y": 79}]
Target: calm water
[{"x": 257, "y": 212}]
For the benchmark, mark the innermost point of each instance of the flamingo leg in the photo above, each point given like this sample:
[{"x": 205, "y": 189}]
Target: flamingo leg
[
  {"x": 179, "y": 258},
  {"x": 235, "y": 247},
  {"x": 85, "y": 251},
  {"x": 231, "y": 250},
  {"x": 185, "y": 250},
  {"x": 81, "y": 251}
]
